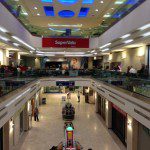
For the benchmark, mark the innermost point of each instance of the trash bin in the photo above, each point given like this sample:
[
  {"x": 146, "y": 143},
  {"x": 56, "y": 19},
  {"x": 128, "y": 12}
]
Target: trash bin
[{"x": 43, "y": 100}]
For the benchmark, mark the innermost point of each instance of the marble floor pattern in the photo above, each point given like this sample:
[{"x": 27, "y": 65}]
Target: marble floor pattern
[{"x": 90, "y": 130}]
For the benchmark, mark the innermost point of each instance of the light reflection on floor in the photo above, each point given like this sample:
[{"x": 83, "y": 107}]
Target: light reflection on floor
[{"x": 89, "y": 130}]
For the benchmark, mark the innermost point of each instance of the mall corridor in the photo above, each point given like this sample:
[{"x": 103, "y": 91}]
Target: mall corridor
[{"x": 89, "y": 130}]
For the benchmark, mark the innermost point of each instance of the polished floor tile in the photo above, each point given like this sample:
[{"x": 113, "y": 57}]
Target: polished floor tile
[{"x": 90, "y": 130}]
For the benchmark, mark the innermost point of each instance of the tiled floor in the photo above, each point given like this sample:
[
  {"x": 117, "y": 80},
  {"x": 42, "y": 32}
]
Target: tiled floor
[{"x": 89, "y": 129}]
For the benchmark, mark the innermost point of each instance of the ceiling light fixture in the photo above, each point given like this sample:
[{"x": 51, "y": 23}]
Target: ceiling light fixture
[
  {"x": 101, "y": 2},
  {"x": 93, "y": 51},
  {"x": 3, "y": 29},
  {"x": 106, "y": 49},
  {"x": 62, "y": 53},
  {"x": 4, "y": 38},
  {"x": 96, "y": 10},
  {"x": 125, "y": 36},
  {"x": 119, "y": 2},
  {"x": 16, "y": 44},
  {"x": 128, "y": 41},
  {"x": 146, "y": 34},
  {"x": 145, "y": 27},
  {"x": 38, "y": 14},
  {"x": 66, "y": 25},
  {"x": 107, "y": 15},
  {"x": 35, "y": 8},
  {"x": 19, "y": 40},
  {"x": 105, "y": 45}
]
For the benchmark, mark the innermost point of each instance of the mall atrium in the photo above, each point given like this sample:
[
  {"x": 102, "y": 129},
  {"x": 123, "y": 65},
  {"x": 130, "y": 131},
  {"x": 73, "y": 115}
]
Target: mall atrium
[{"x": 74, "y": 74}]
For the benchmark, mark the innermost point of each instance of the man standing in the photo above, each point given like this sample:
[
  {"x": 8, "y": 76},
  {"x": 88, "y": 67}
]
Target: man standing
[
  {"x": 78, "y": 96},
  {"x": 36, "y": 114}
]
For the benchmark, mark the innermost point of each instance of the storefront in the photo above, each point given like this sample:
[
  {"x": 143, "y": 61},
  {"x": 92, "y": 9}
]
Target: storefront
[
  {"x": 101, "y": 106},
  {"x": 21, "y": 122},
  {"x": 119, "y": 123},
  {"x": 1, "y": 138}
]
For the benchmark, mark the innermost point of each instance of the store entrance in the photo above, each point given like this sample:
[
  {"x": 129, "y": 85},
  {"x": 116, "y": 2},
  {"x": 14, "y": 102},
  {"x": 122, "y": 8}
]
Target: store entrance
[
  {"x": 119, "y": 123},
  {"x": 53, "y": 65},
  {"x": 101, "y": 106},
  {"x": 1, "y": 138}
]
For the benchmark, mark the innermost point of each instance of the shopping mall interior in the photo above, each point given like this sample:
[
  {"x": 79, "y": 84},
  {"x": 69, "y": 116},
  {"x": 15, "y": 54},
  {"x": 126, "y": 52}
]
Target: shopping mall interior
[{"x": 75, "y": 75}]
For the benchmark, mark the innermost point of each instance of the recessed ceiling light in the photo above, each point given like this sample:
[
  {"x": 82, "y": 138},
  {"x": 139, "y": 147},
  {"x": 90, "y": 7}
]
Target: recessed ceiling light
[
  {"x": 128, "y": 41},
  {"x": 119, "y": 2},
  {"x": 106, "y": 49},
  {"x": 145, "y": 27},
  {"x": 4, "y": 38},
  {"x": 96, "y": 9},
  {"x": 107, "y": 15},
  {"x": 108, "y": 44},
  {"x": 112, "y": 8},
  {"x": 35, "y": 7},
  {"x": 3, "y": 29},
  {"x": 16, "y": 44},
  {"x": 38, "y": 14},
  {"x": 125, "y": 36},
  {"x": 101, "y": 2},
  {"x": 146, "y": 34}
]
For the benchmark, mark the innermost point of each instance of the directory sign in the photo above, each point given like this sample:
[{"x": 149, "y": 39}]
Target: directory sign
[{"x": 65, "y": 83}]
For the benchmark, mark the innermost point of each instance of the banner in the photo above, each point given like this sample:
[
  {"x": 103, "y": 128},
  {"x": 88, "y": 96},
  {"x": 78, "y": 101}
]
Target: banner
[{"x": 65, "y": 42}]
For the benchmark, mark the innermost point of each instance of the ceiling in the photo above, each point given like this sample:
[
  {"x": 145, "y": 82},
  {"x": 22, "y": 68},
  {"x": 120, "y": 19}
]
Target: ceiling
[{"x": 102, "y": 14}]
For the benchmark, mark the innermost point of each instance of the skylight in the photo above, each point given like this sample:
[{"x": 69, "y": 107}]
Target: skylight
[
  {"x": 49, "y": 10},
  {"x": 66, "y": 13},
  {"x": 88, "y": 2},
  {"x": 47, "y": 1},
  {"x": 67, "y": 2},
  {"x": 83, "y": 12}
]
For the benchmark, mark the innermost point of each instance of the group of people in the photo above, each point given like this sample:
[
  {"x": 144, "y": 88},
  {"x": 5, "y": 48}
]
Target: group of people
[
  {"x": 13, "y": 70},
  {"x": 143, "y": 72}
]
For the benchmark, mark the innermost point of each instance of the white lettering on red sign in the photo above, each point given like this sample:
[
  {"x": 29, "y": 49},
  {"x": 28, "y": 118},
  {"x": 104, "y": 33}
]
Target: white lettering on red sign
[{"x": 65, "y": 42}]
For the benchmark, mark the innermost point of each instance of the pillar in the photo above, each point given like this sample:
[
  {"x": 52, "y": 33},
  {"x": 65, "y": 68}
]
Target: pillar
[
  {"x": 37, "y": 63},
  {"x": 16, "y": 59},
  {"x": 6, "y": 136},
  {"x": 90, "y": 63},
  {"x": 4, "y": 57},
  {"x": 132, "y": 133},
  {"x": 96, "y": 101},
  {"x": 26, "y": 118},
  {"x": 108, "y": 114}
]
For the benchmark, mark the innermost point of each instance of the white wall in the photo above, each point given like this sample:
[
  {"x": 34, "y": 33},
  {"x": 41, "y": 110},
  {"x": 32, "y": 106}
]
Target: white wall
[{"x": 16, "y": 28}]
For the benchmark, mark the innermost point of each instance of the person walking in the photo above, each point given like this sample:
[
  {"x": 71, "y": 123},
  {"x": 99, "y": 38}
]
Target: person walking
[
  {"x": 36, "y": 114},
  {"x": 78, "y": 96}
]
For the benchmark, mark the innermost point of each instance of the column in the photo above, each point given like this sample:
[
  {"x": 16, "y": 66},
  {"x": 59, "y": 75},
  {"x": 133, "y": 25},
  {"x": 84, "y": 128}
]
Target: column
[
  {"x": 132, "y": 133},
  {"x": 108, "y": 114},
  {"x": 37, "y": 63},
  {"x": 148, "y": 59},
  {"x": 90, "y": 63},
  {"x": 6, "y": 136},
  {"x": 96, "y": 101},
  {"x": 6, "y": 57},
  {"x": 16, "y": 59},
  {"x": 26, "y": 118}
]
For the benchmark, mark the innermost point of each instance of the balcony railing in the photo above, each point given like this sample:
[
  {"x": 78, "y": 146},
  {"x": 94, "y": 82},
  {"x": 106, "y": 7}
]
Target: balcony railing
[{"x": 132, "y": 83}]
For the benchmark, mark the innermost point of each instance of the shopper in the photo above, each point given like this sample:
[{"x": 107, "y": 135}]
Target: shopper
[
  {"x": 78, "y": 96},
  {"x": 36, "y": 114}
]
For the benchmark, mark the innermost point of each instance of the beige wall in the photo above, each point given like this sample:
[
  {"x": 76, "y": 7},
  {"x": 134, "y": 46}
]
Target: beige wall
[{"x": 132, "y": 57}]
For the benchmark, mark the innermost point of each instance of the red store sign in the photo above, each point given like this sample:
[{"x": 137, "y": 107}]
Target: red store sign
[{"x": 65, "y": 42}]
